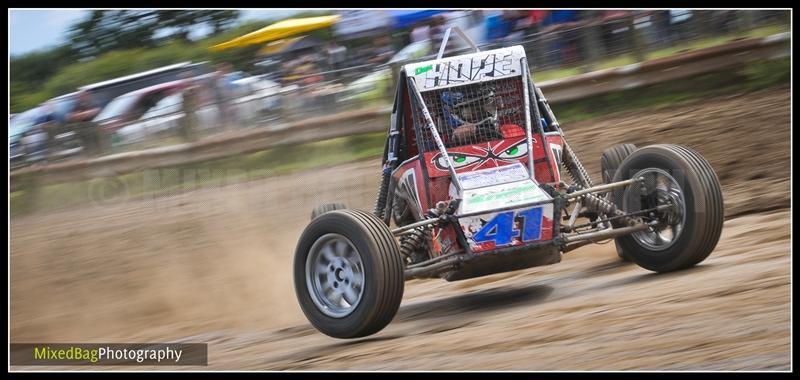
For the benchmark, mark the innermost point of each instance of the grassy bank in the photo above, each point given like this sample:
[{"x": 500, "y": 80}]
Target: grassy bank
[{"x": 293, "y": 158}]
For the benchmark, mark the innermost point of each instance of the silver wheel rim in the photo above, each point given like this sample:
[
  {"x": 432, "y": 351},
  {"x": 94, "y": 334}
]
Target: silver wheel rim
[
  {"x": 668, "y": 191},
  {"x": 335, "y": 275}
]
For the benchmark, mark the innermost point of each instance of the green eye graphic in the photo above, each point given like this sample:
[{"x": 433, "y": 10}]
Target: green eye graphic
[
  {"x": 459, "y": 160},
  {"x": 515, "y": 151}
]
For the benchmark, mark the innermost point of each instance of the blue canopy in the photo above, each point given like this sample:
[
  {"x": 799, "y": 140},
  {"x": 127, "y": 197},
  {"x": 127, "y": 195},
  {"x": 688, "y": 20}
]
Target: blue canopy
[{"x": 405, "y": 19}]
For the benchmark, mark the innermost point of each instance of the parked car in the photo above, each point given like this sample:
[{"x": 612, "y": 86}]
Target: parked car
[
  {"x": 20, "y": 127},
  {"x": 28, "y": 140},
  {"x": 166, "y": 114},
  {"x": 105, "y": 91},
  {"x": 132, "y": 106}
]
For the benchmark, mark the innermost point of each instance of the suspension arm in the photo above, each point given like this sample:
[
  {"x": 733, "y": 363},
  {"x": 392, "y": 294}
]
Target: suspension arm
[{"x": 602, "y": 188}]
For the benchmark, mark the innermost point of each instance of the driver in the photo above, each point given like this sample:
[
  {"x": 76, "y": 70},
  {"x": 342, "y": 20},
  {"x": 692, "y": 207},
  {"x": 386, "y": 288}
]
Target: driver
[{"x": 471, "y": 117}]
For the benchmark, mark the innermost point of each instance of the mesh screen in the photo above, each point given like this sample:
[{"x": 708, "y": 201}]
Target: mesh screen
[{"x": 471, "y": 114}]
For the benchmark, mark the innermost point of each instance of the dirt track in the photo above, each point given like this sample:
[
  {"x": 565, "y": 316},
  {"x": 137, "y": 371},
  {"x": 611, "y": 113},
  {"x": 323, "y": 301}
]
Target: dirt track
[{"x": 214, "y": 266}]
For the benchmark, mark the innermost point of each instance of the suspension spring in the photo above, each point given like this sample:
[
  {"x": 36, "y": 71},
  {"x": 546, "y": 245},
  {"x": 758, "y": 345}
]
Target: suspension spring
[
  {"x": 575, "y": 169},
  {"x": 383, "y": 193},
  {"x": 411, "y": 242},
  {"x": 603, "y": 206}
]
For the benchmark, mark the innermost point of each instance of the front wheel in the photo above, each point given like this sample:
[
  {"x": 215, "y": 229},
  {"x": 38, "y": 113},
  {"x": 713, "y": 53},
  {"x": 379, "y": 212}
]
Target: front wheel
[
  {"x": 348, "y": 274},
  {"x": 685, "y": 197}
]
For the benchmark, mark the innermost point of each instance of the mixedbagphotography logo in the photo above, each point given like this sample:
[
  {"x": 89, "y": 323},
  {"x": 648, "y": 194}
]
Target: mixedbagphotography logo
[{"x": 160, "y": 354}]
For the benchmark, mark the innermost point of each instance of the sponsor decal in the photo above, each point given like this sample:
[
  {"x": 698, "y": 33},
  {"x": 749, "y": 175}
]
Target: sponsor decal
[
  {"x": 470, "y": 68},
  {"x": 508, "y": 228},
  {"x": 501, "y": 196},
  {"x": 493, "y": 176},
  {"x": 423, "y": 69},
  {"x": 501, "y": 230}
]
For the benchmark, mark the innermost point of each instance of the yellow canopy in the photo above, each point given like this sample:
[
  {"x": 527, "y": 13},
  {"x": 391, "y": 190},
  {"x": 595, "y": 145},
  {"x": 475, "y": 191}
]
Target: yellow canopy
[
  {"x": 279, "y": 30},
  {"x": 277, "y": 46}
]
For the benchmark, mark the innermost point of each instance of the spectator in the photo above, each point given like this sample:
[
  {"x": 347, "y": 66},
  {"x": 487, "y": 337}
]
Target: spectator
[
  {"x": 337, "y": 55},
  {"x": 230, "y": 81},
  {"x": 563, "y": 38},
  {"x": 381, "y": 51},
  {"x": 402, "y": 38},
  {"x": 189, "y": 105},
  {"x": 80, "y": 121},
  {"x": 534, "y": 46},
  {"x": 420, "y": 32},
  {"x": 496, "y": 28},
  {"x": 221, "y": 93},
  {"x": 724, "y": 21},
  {"x": 660, "y": 20},
  {"x": 436, "y": 30},
  {"x": 309, "y": 72},
  {"x": 518, "y": 24},
  {"x": 679, "y": 24},
  {"x": 535, "y": 17},
  {"x": 50, "y": 125}
]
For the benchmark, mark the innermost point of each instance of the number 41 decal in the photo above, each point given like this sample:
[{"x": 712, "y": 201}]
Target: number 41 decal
[{"x": 501, "y": 230}]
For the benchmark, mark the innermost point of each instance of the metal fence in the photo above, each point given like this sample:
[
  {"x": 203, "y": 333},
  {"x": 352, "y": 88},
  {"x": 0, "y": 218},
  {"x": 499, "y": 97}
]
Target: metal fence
[{"x": 599, "y": 41}]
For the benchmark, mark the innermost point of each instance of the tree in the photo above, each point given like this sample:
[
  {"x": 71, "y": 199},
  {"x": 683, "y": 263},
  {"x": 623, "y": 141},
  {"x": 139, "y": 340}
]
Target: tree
[
  {"x": 184, "y": 20},
  {"x": 29, "y": 72},
  {"x": 103, "y": 31},
  {"x": 222, "y": 20},
  {"x": 35, "y": 67}
]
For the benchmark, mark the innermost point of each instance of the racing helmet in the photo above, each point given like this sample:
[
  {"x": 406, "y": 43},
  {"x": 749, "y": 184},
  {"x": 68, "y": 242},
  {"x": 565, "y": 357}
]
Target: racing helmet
[{"x": 473, "y": 107}]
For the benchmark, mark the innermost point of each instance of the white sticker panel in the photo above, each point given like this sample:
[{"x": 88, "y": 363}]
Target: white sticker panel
[
  {"x": 499, "y": 196},
  {"x": 468, "y": 68}
]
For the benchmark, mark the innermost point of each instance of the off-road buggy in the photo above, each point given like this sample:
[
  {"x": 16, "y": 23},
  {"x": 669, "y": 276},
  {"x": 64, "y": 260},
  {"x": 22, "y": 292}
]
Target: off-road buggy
[{"x": 472, "y": 180}]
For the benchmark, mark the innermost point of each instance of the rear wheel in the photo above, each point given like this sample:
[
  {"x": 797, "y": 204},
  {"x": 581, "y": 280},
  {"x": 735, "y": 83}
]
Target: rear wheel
[
  {"x": 327, "y": 207},
  {"x": 689, "y": 229},
  {"x": 348, "y": 274},
  {"x": 610, "y": 160}
]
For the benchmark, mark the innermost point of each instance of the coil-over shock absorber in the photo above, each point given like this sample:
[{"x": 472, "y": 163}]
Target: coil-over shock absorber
[
  {"x": 603, "y": 206},
  {"x": 389, "y": 163},
  {"x": 582, "y": 181},
  {"x": 383, "y": 193},
  {"x": 412, "y": 244},
  {"x": 575, "y": 169}
]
